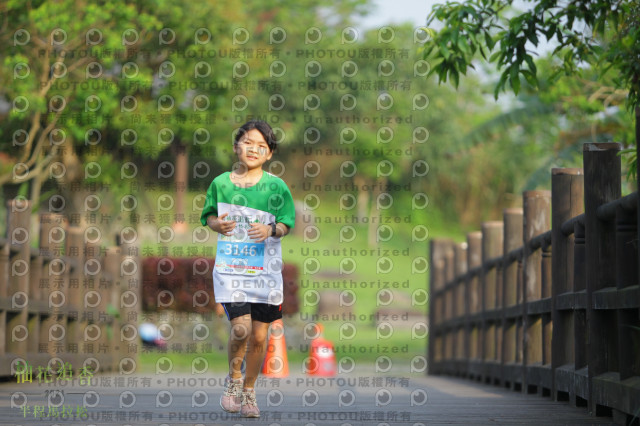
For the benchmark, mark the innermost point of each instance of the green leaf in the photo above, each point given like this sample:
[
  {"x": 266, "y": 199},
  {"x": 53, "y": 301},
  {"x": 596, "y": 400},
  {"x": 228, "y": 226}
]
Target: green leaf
[
  {"x": 489, "y": 40},
  {"x": 444, "y": 51},
  {"x": 427, "y": 50},
  {"x": 531, "y": 64},
  {"x": 462, "y": 66},
  {"x": 501, "y": 83},
  {"x": 530, "y": 77},
  {"x": 514, "y": 79},
  {"x": 550, "y": 30},
  {"x": 462, "y": 46},
  {"x": 482, "y": 53},
  {"x": 616, "y": 19},
  {"x": 455, "y": 77},
  {"x": 430, "y": 32}
]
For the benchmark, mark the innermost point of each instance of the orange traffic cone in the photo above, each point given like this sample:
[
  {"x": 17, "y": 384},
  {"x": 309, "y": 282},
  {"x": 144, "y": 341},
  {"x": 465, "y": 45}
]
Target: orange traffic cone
[
  {"x": 275, "y": 362},
  {"x": 322, "y": 357}
]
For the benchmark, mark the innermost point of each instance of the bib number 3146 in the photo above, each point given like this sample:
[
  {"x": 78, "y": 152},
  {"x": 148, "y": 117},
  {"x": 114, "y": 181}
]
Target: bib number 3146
[{"x": 240, "y": 258}]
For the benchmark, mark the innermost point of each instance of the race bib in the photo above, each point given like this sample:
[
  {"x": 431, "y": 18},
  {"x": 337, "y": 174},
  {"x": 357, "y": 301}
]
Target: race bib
[{"x": 241, "y": 258}]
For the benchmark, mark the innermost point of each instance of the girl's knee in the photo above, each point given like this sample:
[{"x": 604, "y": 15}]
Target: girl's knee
[
  {"x": 259, "y": 334},
  {"x": 240, "y": 331}
]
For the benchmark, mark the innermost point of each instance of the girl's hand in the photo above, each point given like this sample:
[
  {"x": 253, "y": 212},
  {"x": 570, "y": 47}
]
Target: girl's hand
[
  {"x": 224, "y": 227},
  {"x": 259, "y": 232}
]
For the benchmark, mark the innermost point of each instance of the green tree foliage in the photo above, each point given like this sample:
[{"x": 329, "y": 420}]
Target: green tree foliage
[
  {"x": 598, "y": 32},
  {"x": 173, "y": 77},
  {"x": 549, "y": 124},
  {"x": 91, "y": 88},
  {"x": 597, "y": 37}
]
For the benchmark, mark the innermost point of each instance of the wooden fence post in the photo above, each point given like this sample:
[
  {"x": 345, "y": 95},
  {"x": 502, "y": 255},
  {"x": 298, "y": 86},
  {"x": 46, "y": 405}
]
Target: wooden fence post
[
  {"x": 512, "y": 240},
  {"x": 112, "y": 262},
  {"x": 537, "y": 220},
  {"x": 627, "y": 277},
  {"x": 637, "y": 114},
  {"x": 4, "y": 304},
  {"x": 557, "y": 316},
  {"x": 449, "y": 282},
  {"x": 131, "y": 288},
  {"x": 127, "y": 297},
  {"x": 473, "y": 303},
  {"x": 52, "y": 288},
  {"x": 449, "y": 275},
  {"x": 602, "y": 183},
  {"x": 18, "y": 236},
  {"x": 436, "y": 283},
  {"x": 460, "y": 260},
  {"x": 567, "y": 201},
  {"x": 581, "y": 379},
  {"x": 76, "y": 321},
  {"x": 492, "y": 236},
  {"x": 93, "y": 268}
]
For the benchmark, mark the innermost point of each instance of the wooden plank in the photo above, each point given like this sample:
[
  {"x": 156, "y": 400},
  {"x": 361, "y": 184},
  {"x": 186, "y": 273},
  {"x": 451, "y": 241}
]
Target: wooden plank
[
  {"x": 580, "y": 301},
  {"x": 567, "y": 201},
  {"x": 513, "y": 311},
  {"x": 565, "y": 302},
  {"x": 493, "y": 315},
  {"x": 476, "y": 318},
  {"x": 492, "y": 244},
  {"x": 609, "y": 391},
  {"x": 18, "y": 226},
  {"x": 356, "y": 398},
  {"x": 513, "y": 219},
  {"x": 537, "y": 307},
  {"x": 581, "y": 383},
  {"x": 540, "y": 377},
  {"x": 564, "y": 378},
  {"x": 514, "y": 374},
  {"x": 537, "y": 221},
  {"x": 614, "y": 298},
  {"x": 436, "y": 284},
  {"x": 602, "y": 182}
]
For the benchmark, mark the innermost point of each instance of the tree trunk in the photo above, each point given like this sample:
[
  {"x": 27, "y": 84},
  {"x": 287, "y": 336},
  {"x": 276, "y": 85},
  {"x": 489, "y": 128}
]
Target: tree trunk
[
  {"x": 638, "y": 167},
  {"x": 36, "y": 190},
  {"x": 374, "y": 217},
  {"x": 363, "y": 197},
  {"x": 181, "y": 180}
]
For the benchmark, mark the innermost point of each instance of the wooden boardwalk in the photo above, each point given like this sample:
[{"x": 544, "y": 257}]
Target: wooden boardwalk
[
  {"x": 353, "y": 399},
  {"x": 553, "y": 310}
]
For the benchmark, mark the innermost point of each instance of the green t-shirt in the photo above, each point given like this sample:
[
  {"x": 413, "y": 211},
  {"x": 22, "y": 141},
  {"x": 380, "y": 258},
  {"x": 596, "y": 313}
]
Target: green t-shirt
[{"x": 245, "y": 270}]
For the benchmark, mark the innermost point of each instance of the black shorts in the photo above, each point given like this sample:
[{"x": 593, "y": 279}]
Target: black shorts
[{"x": 262, "y": 312}]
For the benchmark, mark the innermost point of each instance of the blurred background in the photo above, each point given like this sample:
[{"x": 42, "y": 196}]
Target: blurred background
[{"x": 118, "y": 117}]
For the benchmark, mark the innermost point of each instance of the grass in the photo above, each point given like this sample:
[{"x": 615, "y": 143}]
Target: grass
[
  {"x": 367, "y": 273},
  {"x": 364, "y": 349}
]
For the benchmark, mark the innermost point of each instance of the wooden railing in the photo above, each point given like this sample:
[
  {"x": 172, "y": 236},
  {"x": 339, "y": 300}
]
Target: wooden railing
[
  {"x": 548, "y": 311},
  {"x": 71, "y": 300}
]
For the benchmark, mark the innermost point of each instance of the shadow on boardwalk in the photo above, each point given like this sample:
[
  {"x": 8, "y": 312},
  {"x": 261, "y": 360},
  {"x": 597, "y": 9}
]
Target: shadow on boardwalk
[{"x": 355, "y": 399}]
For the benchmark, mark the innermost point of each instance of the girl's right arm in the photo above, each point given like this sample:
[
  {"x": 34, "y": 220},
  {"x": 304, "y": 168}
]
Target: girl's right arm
[{"x": 221, "y": 226}]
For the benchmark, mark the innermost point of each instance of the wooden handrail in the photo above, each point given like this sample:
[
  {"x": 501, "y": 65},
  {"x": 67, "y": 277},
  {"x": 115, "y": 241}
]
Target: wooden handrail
[
  {"x": 47, "y": 287},
  {"x": 557, "y": 321},
  {"x": 608, "y": 211},
  {"x": 567, "y": 227}
]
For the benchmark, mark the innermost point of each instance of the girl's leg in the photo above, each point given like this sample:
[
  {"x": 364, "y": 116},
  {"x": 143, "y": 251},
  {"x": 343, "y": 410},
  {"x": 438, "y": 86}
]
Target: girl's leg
[
  {"x": 237, "y": 346},
  {"x": 255, "y": 352}
]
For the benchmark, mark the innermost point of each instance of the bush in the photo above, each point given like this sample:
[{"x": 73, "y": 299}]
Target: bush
[{"x": 177, "y": 279}]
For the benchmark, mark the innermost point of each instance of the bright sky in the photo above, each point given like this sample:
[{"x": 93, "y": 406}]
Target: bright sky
[
  {"x": 397, "y": 11},
  {"x": 388, "y": 12}
]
